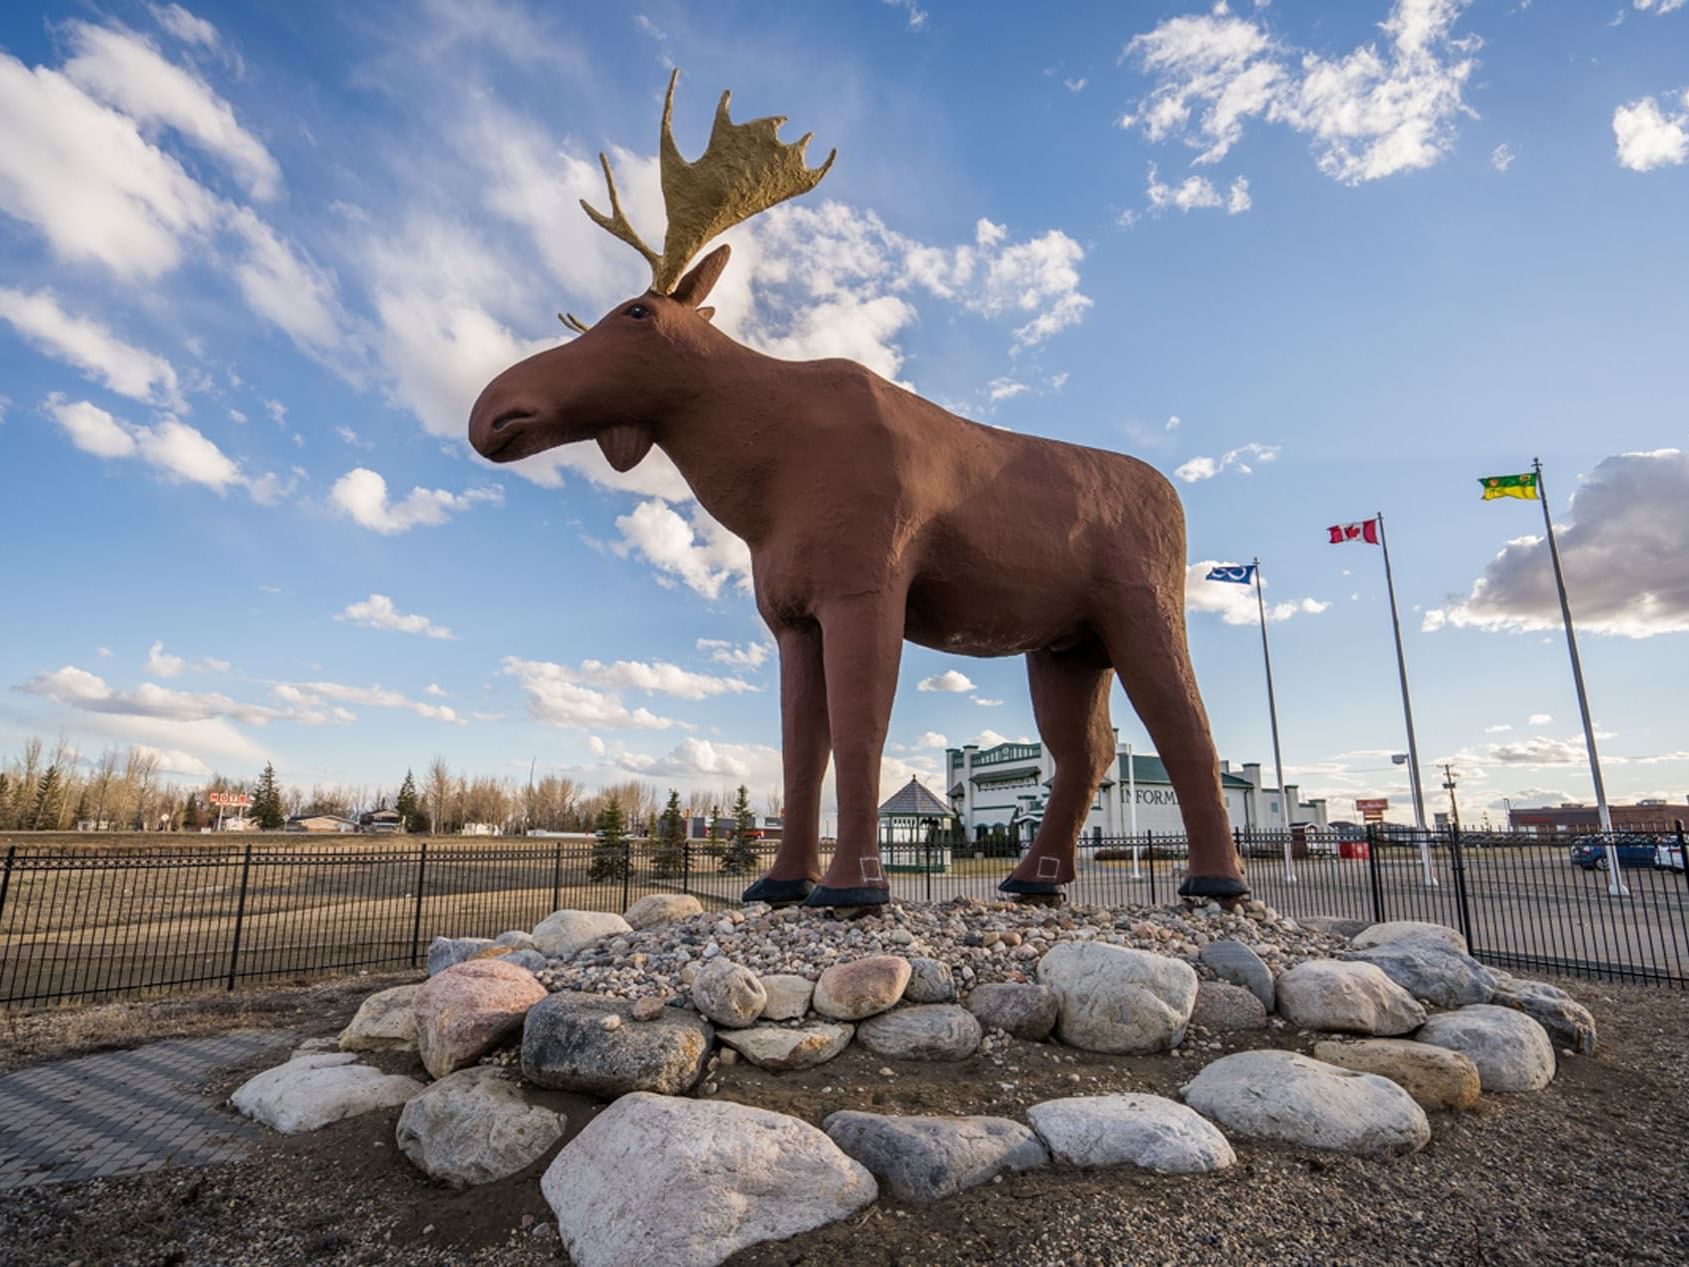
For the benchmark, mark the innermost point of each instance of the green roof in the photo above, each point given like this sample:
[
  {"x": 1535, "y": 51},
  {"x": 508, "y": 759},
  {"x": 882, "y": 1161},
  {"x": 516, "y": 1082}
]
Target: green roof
[{"x": 1152, "y": 770}]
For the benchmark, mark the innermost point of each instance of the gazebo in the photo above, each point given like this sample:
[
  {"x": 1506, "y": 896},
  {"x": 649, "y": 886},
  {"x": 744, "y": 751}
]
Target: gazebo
[{"x": 916, "y": 829}]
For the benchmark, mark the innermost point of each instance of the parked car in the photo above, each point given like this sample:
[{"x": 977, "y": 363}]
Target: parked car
[
  {"x": 1668, "y": 857},
  {"x": 1633, "y": 851}
]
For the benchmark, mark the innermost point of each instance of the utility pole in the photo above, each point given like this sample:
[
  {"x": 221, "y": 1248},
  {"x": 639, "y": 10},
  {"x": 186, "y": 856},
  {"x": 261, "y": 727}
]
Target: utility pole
[
  {"x": 1272, "y": 715},
  {"x": 1429, "y": 875},
  {"x": 1448, "y": 786}
]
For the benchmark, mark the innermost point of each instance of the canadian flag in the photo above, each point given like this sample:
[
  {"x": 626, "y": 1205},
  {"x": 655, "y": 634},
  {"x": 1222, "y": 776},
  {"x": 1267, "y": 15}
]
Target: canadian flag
[{"x": 1366, "y": 530}]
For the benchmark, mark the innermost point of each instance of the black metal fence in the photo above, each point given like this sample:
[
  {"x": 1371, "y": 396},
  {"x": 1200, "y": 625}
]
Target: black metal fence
[{"x": 101, "y": 922}]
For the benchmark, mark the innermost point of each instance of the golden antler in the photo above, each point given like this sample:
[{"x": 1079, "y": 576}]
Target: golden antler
[
  {"x": 744, "y": 169},
  {"x": 573, "y": 322}
]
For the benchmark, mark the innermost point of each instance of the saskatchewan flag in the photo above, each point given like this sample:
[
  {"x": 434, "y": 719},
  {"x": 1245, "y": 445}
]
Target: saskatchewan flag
[{"x": 1521, "y": 486}]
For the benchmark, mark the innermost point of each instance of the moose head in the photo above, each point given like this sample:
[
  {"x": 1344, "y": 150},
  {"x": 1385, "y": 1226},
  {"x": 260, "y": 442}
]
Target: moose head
[{"x": 624, "y": 375}]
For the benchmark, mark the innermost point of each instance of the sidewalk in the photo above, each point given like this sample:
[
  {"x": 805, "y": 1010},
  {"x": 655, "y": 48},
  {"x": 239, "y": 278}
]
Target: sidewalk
[{"x": 125, "y": 1112}]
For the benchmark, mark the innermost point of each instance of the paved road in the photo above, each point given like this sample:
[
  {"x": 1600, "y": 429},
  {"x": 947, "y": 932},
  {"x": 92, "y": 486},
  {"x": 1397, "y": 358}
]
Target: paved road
[{"x": 125, "y": 1112}]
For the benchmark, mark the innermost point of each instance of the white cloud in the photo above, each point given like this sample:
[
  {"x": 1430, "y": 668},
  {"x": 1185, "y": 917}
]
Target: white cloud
[
  {"x": 90, "y": 347},
  {"x": 378, "y": 612},
  {"x": 185, "y": 26},
  {"x": 1381, "y": 108},
  {"x": 989, "y": 738},
  {"x": 698, "y": 551},
  {"x": 1647, "y": 137},
  {"x": 170, "y": 446},
  {"x": 160, "y": 664},
  {"x": 1005, "y": 389},
  {"x": 286, "y": 289},
  {"x": 1074, "y": 85},
  {"x": 92, "y": 429},
  {"x": 556, "y": 697},
  {"x": 983, "y": 702},
  {"x": 750, "y": 655},
  {"x": 1237, "y": 197},
  {"x": 931, "y": 739},
  {"x": 361, "y": 494},
  {"x": 436, "y": 690},
  {"x": 84, "y": 176},
  {"x": 1189, "y": 194},
  {"x": 1659, "y": 8},
  {"x": 1498, "y": 729},
  {"x": 122, "y": 69},
  {"x": 1238, "y": 459},
  {"x": 660, "y": 678},
  {"x": 1540, "y": 719},
  {"x": 951, "y": 681},
  {"x": 1626, "y": 558},
  {"x": 310, "y": 702},
  {"x": 1501, "y": 157},
  {"x": 1235, "y": 604},
  {"x": 917, "y": 15}
]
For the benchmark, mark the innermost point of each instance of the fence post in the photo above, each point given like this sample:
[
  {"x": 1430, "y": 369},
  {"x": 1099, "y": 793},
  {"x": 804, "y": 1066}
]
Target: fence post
[
  {"x": 627, "y": 869},
  {"x": 686, "y": 865},
  {"x": 926, "y": 870},
  {"x": 557, "y": 876},
  {"x": 421, "y": 876},
  {"x": 1372, "y": 835},
  {"x": 240, "y": 910},
  {"x": 12, "y": 853},
  {"x": 1149, "y": 852},
  {"x": 1459, "y": 865}
]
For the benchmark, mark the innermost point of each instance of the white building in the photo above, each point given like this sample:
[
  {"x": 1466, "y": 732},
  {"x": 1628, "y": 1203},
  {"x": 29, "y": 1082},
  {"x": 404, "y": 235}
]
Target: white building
[{"x": 1008, "y": 785}]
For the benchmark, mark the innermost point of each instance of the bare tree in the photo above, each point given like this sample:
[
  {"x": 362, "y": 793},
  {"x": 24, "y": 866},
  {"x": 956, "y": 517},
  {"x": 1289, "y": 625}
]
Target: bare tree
[{"x": 438, "y": 789}]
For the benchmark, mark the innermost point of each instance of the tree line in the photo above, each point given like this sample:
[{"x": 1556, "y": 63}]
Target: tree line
[{"x": 55, "y": 788}]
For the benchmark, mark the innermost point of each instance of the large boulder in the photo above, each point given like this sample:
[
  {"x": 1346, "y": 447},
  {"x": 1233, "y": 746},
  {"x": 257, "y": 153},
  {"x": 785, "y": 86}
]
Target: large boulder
[
  {"x": 728, "y": 994},
  {"x": 787, "y": 1047},
  {"x": 930, "y": 981},
  {"x": 1354, "y": 998},
  {"x": 1116, "y": 1000},
  {"x": 445, "y": 952},
  {"x": 384, "y": 1022},
  {"x": 1511, "y": 1050},
  {"x": 851, "y": 991},
  {"x": 1237, "y": 964},
  {"x": 921, "y": 1159},
  {"x": 1022, "y": 1011},
  {"x": 1280, "y": 1095},
  {"x": 1430, "y": 970},
  {"x": 1408, "y": 929},
  {"x": 562, "y": 933},
  {"x": 469, "y": 1009},
  {"x": 1129, "y": 1129},
  {"x": 927, "y": 1031},
  {"x": 312, "y": 1091},
  {"x": 788, "y": 996},
  {"x": 1223, "y": 1007},
  {"x": 662, "y": 908},
  {"x": 474, "y": 1127},
  {"x": 589, "y": 1043},
  {"x": 515, "y": 939},
  {"x": 1434, "y": 1076},
  {"x": 1568, "y": 1022},
  {"x": 686, "y": 1183}
]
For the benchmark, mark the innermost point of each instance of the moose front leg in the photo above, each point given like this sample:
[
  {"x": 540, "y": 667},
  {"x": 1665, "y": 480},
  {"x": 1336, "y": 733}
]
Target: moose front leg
[
  {"x": 862, "y": 643},
  {"x": 805, "y": 743}
]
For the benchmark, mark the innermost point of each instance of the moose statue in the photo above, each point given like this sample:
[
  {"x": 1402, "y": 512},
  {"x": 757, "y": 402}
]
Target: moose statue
[{"x": 873, "y": 516}]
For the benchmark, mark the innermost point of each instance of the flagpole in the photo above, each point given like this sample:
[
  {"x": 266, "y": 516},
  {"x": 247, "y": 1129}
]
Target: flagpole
[
  {"x": 1407, "y": 712},
  {"x": 1272, "y": 715},
  {"x": 1615, "y": 882}
]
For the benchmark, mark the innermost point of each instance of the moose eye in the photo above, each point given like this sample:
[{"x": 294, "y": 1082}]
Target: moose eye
[{"x": 638, "y": 311}]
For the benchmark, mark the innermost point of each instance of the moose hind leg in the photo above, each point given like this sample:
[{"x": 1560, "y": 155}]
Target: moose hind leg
[
  {"x": 1147, "y": 645},
  {"x": 805, "y": 742},
  {"x": 862, "y": 643},
  {"x": 1070, "y": 704}
]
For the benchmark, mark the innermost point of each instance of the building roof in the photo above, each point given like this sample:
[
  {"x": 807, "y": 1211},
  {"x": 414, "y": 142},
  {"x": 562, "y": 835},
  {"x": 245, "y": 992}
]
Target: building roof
[
  {"x": 1151, "y": 769},
  {"x": 913, "y": 800}
]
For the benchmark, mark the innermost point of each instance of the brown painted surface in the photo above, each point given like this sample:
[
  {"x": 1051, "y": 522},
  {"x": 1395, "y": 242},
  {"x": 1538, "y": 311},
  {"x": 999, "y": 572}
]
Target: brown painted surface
[{"x": 874, "y": 516}]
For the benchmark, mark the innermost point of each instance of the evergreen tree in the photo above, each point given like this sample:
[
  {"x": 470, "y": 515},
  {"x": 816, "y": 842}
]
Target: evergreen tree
[
  {"x": 712, "y": 844},
  {"x": 668, "y": 859},
  {"x": 47, "y": 795},
  {"x": 409, "y": 806},
  {"x": 266, "y": 801},
  {"x": 741, "y": 855},
  {"x": 83, "y": 810},
  {"x": 610, "y": 850},
  {"x": 192, "y": 818}
]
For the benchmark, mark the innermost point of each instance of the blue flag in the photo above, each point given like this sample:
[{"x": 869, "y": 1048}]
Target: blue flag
[{"x": 1240, "y": 574}]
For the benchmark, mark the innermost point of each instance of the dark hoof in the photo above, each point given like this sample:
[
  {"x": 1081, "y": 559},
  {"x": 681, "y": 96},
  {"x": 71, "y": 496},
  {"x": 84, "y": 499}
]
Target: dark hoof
[
  {"x": 821, "y": 895},
  {"x": 778, "y": 892},
  {"x": 1218, "y": 886},
  {"x": 1032, "y": 891}
]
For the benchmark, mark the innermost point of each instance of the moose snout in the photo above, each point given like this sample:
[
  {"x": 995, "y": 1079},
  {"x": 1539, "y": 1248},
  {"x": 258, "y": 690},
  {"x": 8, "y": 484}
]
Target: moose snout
[{"x": 497, "y": 423}]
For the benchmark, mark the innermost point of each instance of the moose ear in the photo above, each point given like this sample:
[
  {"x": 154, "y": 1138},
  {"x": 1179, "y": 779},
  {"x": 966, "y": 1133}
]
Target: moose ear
[
  {"x": 706, "y": 313},
  {"x": 695, "y": 287}
]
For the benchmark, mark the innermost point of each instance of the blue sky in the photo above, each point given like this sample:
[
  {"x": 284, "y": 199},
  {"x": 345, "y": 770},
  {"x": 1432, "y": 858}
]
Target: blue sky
[{"x": 1312, "y": 260}]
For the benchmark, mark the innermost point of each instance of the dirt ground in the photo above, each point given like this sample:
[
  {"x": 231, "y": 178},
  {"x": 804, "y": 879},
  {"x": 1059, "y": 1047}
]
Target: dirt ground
[{"x": 1592, "y": 1170}]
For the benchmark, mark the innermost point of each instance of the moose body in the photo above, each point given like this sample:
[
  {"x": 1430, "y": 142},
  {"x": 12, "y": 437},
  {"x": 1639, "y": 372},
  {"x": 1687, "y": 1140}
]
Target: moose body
[{"x": 874, "y": 516}]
